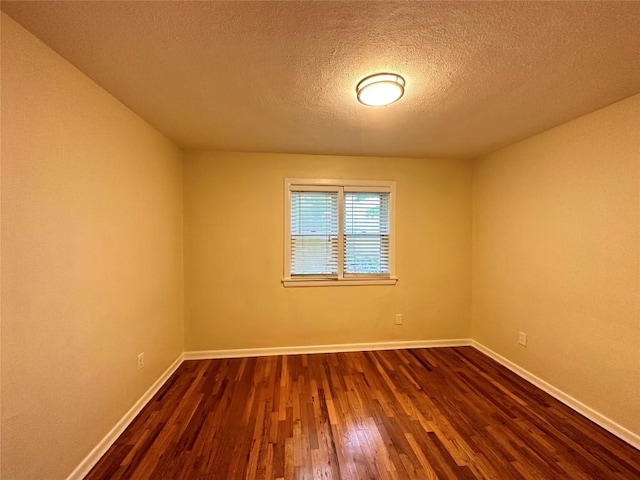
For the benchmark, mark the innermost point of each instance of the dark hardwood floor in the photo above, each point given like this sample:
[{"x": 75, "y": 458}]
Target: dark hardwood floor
[{"x": 406, "y": 414}]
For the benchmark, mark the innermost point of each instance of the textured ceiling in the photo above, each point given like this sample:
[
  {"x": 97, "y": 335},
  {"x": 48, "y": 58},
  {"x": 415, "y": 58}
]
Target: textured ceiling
[{"x": 281, "y": 76}]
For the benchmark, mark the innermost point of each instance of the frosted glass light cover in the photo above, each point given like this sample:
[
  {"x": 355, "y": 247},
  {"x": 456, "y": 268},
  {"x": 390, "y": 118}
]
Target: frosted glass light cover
[{"x": 380, "y": 89}]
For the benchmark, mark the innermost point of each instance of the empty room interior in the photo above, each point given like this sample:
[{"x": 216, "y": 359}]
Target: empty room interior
[{"x": 304, "y": 240}]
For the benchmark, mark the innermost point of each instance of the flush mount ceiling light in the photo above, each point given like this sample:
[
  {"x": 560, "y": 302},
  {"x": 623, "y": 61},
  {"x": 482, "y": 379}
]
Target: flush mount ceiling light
[{"x": 380, "y": 89}]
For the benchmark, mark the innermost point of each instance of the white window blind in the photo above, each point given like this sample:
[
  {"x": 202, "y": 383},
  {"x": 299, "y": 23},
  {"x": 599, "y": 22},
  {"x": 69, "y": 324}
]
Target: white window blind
[
  {"x": 366, "y": 233},
  {"x": 339, "y": 232},
  {"x": 314, "y": 233}
]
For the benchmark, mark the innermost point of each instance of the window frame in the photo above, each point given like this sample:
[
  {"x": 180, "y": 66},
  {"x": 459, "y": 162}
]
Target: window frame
[{"x": 342, "y": 186}]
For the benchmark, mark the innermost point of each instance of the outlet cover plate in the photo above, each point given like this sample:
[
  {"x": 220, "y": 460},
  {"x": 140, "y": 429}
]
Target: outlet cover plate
[{"x": 522, "y": 339}]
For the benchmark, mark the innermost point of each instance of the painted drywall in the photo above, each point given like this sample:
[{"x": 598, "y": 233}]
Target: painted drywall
[
  {"x": 234, "y": 214},
  {"x": 556, "y": 239},
  {"x": 91, "y": 259}
]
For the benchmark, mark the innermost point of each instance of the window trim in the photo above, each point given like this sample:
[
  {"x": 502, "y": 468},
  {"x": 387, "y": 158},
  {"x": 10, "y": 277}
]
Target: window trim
[{"x": 323, "y": 184}]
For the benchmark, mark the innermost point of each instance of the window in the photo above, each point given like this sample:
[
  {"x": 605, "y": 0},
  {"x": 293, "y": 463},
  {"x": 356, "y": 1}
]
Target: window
[{"x": 338, "y": 232}]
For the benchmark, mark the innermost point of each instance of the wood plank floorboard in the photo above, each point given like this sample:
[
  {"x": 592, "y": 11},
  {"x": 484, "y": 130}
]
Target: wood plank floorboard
[{"x": 441, "y": 413}]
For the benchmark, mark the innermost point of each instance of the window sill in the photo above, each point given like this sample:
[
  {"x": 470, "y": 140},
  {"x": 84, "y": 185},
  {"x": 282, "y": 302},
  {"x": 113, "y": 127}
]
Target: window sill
[{"x": 343, "y": 282}]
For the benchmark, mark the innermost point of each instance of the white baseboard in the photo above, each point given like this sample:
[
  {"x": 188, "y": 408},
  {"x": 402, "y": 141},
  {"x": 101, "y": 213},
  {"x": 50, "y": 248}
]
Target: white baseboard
[
  {"x": 596, "y": 417},
  {"x": 309, "y": 349},
  {"x": 96, "y": 454}
]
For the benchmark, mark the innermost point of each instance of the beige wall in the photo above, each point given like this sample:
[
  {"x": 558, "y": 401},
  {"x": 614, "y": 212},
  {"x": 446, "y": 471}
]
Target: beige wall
[
  {"x": 556, "y": 238},
  {"x": 234, "y": 255},
  {"x": 91, "y": 259}
]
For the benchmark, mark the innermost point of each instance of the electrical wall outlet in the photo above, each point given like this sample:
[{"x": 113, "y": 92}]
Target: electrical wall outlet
[
  {"x": 398, "y": 319},
  {"x": 522, "y": 339},
  {"x": 140, "y": 361}
]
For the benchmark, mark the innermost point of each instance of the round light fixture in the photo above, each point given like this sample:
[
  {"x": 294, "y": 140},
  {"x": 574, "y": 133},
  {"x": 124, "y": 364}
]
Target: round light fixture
[{"x": 380, "y": 89}]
